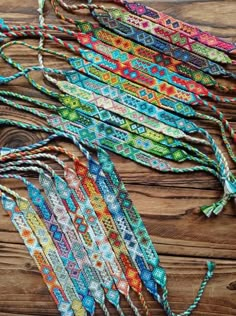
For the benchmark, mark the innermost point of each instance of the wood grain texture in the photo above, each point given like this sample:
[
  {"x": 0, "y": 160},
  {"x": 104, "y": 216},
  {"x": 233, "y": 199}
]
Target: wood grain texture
[{"x": 169, "y": 204}]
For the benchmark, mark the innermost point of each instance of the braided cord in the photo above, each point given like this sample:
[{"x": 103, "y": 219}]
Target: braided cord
[
  {"x": 29, "y": 99},
  {"x": 193, "y": 306},
  {"x": 25, "y": 108}
]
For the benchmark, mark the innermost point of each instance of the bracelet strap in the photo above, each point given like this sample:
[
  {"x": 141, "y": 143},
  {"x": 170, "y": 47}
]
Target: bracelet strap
[
  {"x": 189, "y": 47},
  {"x": 37, "y": 253},
  {"x": 145, "y": 53},
  {"x": 154, "y": 43},
  {"x": 189, "y": 30}
]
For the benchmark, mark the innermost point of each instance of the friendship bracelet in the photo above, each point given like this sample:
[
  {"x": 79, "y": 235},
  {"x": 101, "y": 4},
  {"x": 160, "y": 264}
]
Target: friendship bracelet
[
  {"x": 122, "y": 15},
  {"x": 51, "y": 194},
  {"x": 191, "y": 49},
  {"x": 161, "y": 46},
  {"x": 151, "y": 67},
  {"x": 184, "y": 28},
  {"x": 174, "y": 169},
  {"x": 48, "y": 92},
  {"x": 131, "y": 90},
  {"x": 49, "y": 249},
  {"x": 36, "y": 252},
  {"x": 184, "y": 71},
  {"x": 140, "y": 235},
  {"x": 69, "y": 203},
  {"x": 200, "y": 115},
  {"x": 143, "y": 237},
  {"x": 222, "y": 202}
]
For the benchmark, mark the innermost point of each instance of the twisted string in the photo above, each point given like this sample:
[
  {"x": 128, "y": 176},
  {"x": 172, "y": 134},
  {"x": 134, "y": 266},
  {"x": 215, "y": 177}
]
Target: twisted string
[
  {"x": 44, "y": 105},
  {"x": 26, "y": 160},
  {"x": 9, "y": 191},
  {"x": 224, "y": 137},
  {"x": 5, "y": 80},
  {"x": 144, "y": 304},
  {"x": 25, "y": 108},
  {"x": 41, "y": 40},
  {"x": 119, "y": 310},
  {"x": 24, "y": 169},
  {"x": 165, "y": 302},
  {"x": 134, "y": 308}
]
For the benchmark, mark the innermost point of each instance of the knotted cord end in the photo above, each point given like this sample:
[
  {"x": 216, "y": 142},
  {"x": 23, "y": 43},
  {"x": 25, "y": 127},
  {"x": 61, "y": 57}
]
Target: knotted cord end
[
  {"x": 208, "y": 210},
  {"x": 211, "y": 267},
  {"x": 3, "y": 25},
  {"x": 217, "y": 208}
]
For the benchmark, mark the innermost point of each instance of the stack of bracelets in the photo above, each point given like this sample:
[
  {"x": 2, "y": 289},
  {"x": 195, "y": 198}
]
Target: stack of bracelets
[{"x": 135, "y": 80}]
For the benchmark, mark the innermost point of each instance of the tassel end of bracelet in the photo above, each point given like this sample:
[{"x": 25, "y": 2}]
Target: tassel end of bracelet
[{"x": 211, "y": 267}]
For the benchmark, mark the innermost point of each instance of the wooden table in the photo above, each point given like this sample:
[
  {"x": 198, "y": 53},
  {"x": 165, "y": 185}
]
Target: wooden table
[{"x": 169, "y": 204}]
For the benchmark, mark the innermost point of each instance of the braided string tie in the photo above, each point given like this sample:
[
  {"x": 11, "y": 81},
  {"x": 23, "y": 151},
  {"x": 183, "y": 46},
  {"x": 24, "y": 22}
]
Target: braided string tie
[
  {"x": 105, "y": 310},
  {"x": 144, "y": 304},
  {"x": 227, "y": 89},
  {"x": 208, "y": 276},
  {"x": 134, "y": 308},
  {"x": 119, "y": 310},
  {"x": 216, "y": 208}
]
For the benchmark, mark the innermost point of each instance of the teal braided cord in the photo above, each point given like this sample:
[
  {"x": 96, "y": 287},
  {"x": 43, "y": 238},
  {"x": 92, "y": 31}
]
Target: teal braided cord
[
  {"x": 29, "y": 126},
  {"x": 204, "y": 157},
  {"x": 222, "y": 162},
  {"x": 196, "y": 169},
  {"x": 31, "y": 81},
  {"x": 24, "y": 108},
  {"x": 43, "y": 28},
  {"x": 221, "y": 116},
  {"x": 38, "y": 144},
  {"x": 223, "y": 133},
  {"x": 55, "y": 133},
  {"x": 5, "y": 80},
  {"x": 210, "y": 162},
  {"x": 47, "y": 156},
  {"x": 188, "y": 312},
  {"x": 10, "y": 192},
  {"x": 44, "y": 105},
  {"x": 66, "y": 45}
]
